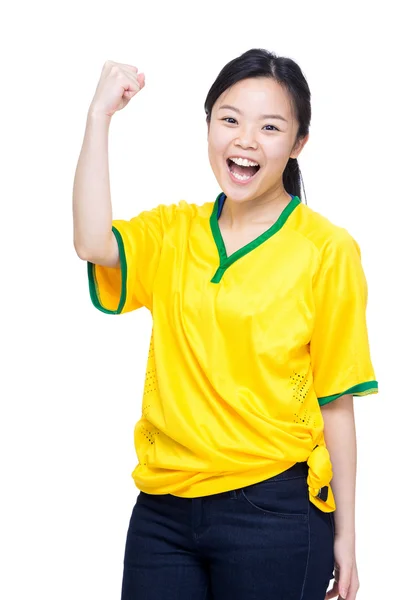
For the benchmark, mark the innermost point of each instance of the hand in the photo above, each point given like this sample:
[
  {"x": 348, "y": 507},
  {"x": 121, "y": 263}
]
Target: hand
[
  {"x": 346, "y": 582},
  {"x": 118, "y": 84}
]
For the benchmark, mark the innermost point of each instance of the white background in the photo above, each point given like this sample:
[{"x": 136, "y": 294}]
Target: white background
[{"x": 72, "y": 377}]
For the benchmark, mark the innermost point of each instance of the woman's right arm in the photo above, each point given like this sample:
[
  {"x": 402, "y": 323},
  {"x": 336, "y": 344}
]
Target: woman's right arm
[{"x": 92, "y": 207}]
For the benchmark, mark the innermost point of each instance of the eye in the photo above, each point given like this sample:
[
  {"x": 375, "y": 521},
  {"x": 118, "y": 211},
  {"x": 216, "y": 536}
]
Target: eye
[
  {"x": 228, "y": 119},
  {"x": 272, "y": 126}
]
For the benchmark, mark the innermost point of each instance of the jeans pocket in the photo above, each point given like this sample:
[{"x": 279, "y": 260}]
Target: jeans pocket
[{"x": 287, "y": 498}]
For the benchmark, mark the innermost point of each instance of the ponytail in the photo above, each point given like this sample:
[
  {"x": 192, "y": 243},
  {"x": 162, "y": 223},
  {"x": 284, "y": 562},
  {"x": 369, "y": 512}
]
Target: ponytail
[{"x": 292, "y": 179}]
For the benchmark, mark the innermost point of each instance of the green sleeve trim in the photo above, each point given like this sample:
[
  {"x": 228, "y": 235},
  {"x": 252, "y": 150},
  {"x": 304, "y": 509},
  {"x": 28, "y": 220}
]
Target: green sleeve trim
[
  {"x": 362, "y": 389},
  {"x": 94, "y": 288}
]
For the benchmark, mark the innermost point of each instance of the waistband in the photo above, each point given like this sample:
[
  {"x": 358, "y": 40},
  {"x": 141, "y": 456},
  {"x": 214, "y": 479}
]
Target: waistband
[
  {"x": 299, "y": 469},
  {"x": 318, "y": 472}
]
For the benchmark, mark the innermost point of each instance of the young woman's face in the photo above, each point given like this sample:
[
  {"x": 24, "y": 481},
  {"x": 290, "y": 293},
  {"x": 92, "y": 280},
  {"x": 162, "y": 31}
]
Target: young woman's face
[{"x": 239, "y": 127}]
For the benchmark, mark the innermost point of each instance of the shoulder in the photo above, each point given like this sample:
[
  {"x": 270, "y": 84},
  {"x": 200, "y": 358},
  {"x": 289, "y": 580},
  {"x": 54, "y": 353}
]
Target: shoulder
[
  {"x": 326, "y": 236},
  {"x": 338, "y": 269},
  {"x": 161, "y": 218},
  {"x": 181, "y": 212}
]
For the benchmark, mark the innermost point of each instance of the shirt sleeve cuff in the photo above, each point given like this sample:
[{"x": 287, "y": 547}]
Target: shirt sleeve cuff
[
  {"x": 115, "y": 298},
  {"x": 362, "y": 389}
]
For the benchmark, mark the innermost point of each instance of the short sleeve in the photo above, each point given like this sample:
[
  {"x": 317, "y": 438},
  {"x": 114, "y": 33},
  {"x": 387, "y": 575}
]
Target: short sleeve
[
  {"x": 128, "y": 287},
  {"x": 339, "y": 346}
]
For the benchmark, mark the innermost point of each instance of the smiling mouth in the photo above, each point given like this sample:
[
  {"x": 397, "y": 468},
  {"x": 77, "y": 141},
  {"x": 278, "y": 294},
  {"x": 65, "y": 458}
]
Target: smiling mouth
[{"x": 239, "y": 173}]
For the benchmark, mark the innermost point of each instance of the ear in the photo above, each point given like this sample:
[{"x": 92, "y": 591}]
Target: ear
[{"x": 298, "y": 147}]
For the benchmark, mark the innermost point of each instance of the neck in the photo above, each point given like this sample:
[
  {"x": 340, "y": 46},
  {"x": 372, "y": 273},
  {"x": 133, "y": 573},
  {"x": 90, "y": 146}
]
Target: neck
[{"x": 238, "y": 215}]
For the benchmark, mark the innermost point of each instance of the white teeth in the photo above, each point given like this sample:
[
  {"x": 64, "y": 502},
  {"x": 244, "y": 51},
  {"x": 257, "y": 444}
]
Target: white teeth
[
  {"x": 242, "y": 177},
  {"x": 244, "y": 162}
]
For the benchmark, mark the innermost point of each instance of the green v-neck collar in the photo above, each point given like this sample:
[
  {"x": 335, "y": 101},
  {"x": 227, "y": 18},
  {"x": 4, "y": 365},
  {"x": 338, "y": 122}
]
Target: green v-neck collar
[{"x": 226, "y": 261}]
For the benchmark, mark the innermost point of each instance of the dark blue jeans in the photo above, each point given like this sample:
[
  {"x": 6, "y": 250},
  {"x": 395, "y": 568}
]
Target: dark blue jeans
[{"x": 266, "y": 541}]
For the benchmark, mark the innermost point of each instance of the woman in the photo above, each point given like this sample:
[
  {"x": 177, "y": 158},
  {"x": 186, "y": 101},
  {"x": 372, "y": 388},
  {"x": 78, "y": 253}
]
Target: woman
[{"x": 259, "y": 344}]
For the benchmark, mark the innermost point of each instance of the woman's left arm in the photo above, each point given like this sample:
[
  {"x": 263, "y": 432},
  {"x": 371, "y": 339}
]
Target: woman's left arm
[{"x": 340, "y": 439}]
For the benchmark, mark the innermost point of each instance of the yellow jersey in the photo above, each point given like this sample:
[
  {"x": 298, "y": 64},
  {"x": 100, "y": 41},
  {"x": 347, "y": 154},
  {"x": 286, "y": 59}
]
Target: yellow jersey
[{"x": 244, "y": 348}]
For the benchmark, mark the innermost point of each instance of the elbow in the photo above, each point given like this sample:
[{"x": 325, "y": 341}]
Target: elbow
[
  {"x": 100, "y": 252},
  {"x": 80, "y": 252}
]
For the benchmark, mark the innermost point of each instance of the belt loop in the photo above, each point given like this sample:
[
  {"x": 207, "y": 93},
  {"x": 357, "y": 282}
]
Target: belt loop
[{"x": 233, "y": 494}]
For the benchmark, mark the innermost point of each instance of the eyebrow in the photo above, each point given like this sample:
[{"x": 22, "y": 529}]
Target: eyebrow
[{"x": 228, "y": 106}]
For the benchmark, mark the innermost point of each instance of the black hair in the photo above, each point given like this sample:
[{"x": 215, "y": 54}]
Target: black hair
[{"x": 258, "y": 62}]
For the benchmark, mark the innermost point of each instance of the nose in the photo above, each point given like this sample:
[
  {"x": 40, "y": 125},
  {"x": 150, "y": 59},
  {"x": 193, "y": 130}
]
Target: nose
[{"x": 246, "y": 139}]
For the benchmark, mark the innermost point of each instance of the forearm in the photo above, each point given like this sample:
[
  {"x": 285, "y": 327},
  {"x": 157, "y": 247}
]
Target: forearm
[
  {"x": 340, "y": 438},
  {"x": 92, "y": 209}
]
